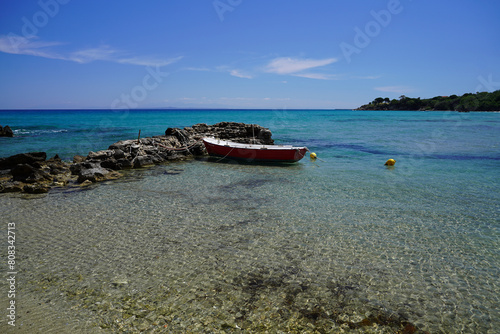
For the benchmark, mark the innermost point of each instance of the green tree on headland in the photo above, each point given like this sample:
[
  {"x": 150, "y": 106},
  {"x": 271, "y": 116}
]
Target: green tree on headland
[{"x": 483, "y": 101}]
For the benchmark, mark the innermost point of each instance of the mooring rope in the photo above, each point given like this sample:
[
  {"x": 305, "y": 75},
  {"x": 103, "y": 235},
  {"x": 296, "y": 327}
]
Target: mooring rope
[
  {"x": 308, "y": 150},
  {"x": 224, "y": 157}
]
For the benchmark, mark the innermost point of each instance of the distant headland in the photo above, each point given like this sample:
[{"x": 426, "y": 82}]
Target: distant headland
[{"x": 468, "y": 102}]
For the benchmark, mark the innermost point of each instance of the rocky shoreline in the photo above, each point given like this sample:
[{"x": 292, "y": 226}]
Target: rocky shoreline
[{"x": 35, "y": 174}]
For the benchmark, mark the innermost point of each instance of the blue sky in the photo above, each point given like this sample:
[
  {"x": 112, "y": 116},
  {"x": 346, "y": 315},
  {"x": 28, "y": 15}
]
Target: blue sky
[{"x": 243, "y": 53}]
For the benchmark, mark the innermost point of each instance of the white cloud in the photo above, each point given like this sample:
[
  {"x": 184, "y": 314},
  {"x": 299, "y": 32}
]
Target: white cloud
[
  {"x": 239, "y": 74},
  {"x": 315, "y": 76},
  {"x": 285, "y": 65},
  {"x": 144, "y": 61},
  {"x": 395, "y": 89},
  {"x": 14, "y": 44},
  {"x": 368, "y": 77},
  {"x": 232, "y": 71},
  {"x": 86, "y": 56},
  {"x": 198, "y": 69}
]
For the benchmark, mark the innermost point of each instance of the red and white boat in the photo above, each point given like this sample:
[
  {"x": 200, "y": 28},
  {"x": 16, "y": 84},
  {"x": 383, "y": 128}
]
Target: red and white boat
[{"x": 254, "y": 152}]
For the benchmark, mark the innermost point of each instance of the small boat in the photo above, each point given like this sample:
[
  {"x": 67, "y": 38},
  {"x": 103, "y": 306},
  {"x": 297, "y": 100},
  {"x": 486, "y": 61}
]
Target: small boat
[{"x": 253, "y": 152}]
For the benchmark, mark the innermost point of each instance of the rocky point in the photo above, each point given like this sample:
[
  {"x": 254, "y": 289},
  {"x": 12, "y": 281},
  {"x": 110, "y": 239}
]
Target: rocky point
[{"x": 34, "y": 173}]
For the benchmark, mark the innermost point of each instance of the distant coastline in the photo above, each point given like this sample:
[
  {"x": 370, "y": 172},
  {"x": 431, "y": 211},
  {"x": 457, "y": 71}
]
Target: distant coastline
[
  {"x": 166, "y": 109},
  {"x": 468, "y": 102}
]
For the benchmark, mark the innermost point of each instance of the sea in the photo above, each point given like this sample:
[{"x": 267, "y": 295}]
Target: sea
[{"x": 339, "y": 244}]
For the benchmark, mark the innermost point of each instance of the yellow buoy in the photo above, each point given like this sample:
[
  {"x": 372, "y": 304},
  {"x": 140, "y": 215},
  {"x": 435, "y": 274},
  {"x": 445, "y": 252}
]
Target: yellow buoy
[
  {"x": 390, "y": 162},
  {"x": 313, "y": 155}
]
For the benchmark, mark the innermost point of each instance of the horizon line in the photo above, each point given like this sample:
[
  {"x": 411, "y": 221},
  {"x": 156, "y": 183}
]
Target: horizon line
[{"x": 165, "y": 108}]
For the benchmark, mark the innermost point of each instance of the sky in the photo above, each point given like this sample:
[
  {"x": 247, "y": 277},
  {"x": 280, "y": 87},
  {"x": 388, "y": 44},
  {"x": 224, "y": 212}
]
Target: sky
[{"x": 276, "y": 54}]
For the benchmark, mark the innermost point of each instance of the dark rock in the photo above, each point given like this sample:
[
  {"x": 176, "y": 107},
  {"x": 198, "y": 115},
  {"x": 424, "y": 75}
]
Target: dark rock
[
  {"x": 23, "y": 158},
  {"x": 57, "y": 167},
  {"x": 118, "y": 154},
  {"x": 55, "y": 158},
  {"x": 79, "y": 158},
  {"x": 29, "y": 174},
  {"x": 6, "y": 131},
  {"x": 22, "y": 171},
  {"x": 111, "y": 164},
  {"x": 121, "y": 145},
  {"x": 265, "y": 135},
  {"x": 94, "y": 173},
  {"x": 157, "y": 159},
  {"x": 237, "y": 132},
  {"x": 100, "y": 155},
  {"x": 75, "y": 168},
  {"x": 11, "y": 187},
  {"x": 200, "y": 128},
  {"x": 124, "y": 163},
  {"x": 78, "y": 167},
  {"x": 181, "y": 135},
  {"x": 32, "y": 173},
  {"x": 142, "y": 161}
]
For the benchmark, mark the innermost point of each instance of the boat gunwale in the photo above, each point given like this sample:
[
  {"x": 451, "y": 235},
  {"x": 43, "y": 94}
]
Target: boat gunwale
[{"x": 228, "y": 143}]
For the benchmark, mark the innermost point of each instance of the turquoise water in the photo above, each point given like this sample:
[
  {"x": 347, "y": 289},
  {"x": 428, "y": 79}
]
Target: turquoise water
[{"x": 212, "y": 247}]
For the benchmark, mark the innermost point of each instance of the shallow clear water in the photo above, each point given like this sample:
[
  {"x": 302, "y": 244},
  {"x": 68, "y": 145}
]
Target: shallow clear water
[{"x": 342, "y": 243}]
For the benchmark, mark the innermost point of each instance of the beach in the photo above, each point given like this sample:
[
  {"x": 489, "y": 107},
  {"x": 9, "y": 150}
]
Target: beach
[{"x": 343, "y": 243}]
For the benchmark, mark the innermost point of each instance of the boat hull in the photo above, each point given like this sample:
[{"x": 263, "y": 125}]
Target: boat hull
[{"x": 257, "y": 153}]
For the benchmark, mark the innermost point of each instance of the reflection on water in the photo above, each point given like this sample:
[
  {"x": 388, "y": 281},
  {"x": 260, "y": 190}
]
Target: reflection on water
[{"x": 212, "y": 248}]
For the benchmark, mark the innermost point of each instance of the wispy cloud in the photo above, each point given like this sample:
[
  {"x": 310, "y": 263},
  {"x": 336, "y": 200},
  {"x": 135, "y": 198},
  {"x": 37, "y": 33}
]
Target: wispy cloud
[
  {"x": 88, "y": 55},
  {"x": 145, "y": 61},
  {"x": 283, "y": 66},
  {"x": 368, "y": 77},
  {"x": 240, "y": 74},
  {"x": 25, "y": 46},
  {"x": 395, "y": 89},
  {"x": 33, "y": 47},
  {"x": 232, "y": 71},
  {"x": 197, "y": 69},
  {"x": 318, "y": 76},
  {"x": 297, "y": 67}
]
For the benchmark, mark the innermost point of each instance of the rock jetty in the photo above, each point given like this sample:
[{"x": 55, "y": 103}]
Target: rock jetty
[
  {"x": 6, "y": 131},
  {"x": 33, "y": 173}
]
